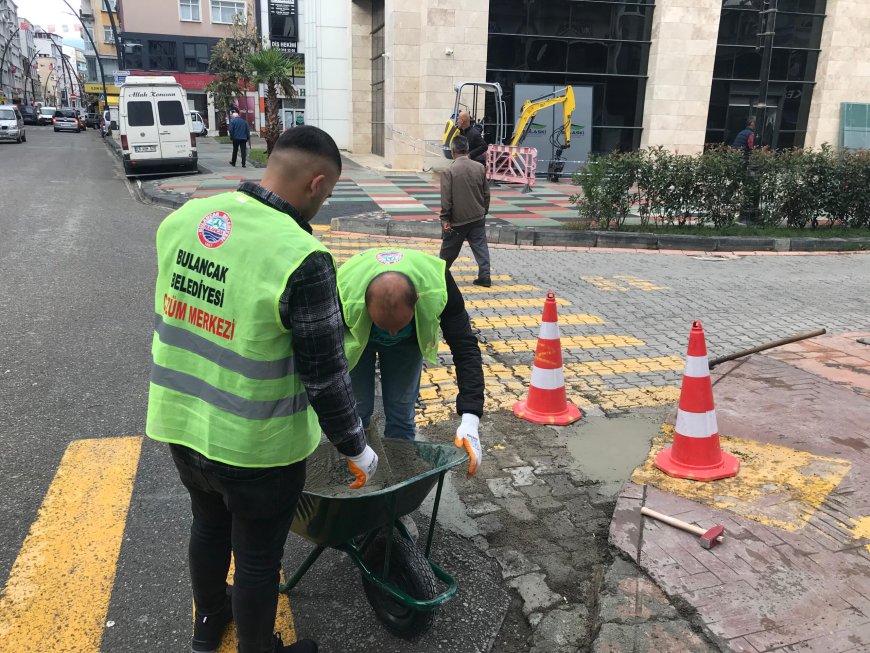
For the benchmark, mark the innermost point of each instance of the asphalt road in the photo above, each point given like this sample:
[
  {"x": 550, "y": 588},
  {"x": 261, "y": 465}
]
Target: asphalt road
[{"x": 77, "y": 264}]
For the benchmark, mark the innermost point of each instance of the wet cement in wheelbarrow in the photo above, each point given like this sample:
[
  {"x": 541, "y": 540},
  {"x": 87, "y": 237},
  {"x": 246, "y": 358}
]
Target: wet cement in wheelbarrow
[{"x": 328, "y": 474}]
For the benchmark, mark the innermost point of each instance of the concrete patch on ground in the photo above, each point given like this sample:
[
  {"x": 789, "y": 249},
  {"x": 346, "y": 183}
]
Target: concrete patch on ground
[{"x": 776, "y": 486}]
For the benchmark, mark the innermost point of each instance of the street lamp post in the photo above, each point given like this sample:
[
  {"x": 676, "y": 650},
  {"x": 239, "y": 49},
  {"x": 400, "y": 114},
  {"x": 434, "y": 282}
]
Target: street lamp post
[
  {"x": 765, "y": 43},
  {"x": 96, "y": 54}
]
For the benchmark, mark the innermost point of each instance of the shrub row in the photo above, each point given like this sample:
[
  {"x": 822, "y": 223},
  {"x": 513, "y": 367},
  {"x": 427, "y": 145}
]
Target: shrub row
[{"x": 793, "y": 188}]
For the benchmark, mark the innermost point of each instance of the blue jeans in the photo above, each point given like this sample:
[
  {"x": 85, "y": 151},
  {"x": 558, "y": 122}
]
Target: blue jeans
[{"x": 401, "y": 365}]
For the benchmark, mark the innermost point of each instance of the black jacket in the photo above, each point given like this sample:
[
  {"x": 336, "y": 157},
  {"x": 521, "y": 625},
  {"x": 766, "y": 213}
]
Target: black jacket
[
  {"x": 476, "y": 145},
  {"x": 456, "y": 329}
]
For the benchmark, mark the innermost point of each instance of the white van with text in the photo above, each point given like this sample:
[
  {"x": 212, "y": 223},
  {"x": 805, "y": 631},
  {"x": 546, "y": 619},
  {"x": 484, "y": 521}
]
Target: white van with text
[{"x": 155, "y": 127}]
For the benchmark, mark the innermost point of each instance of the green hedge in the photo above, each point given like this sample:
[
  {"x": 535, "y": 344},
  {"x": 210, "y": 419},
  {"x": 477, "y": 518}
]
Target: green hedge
[{"x": 793, "y": 188}]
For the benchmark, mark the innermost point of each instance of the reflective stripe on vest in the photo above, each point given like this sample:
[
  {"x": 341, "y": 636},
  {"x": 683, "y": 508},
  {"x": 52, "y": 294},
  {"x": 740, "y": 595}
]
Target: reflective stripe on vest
[
  {"x": 428, "y": 274},
  {"x": 223, "y": 378}
]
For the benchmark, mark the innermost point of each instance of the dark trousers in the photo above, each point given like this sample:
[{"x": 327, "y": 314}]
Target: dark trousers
[
  {"x": 244, "y": 147},
  {"x": 475, "y": 234},
  {"x": 248, "y": 512}
]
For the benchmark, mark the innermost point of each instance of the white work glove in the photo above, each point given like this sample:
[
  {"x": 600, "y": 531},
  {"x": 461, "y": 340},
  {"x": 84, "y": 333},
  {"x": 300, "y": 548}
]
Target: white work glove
[
  {"x": 466, "y": 436},
  {"x": 363, "y": 467}
]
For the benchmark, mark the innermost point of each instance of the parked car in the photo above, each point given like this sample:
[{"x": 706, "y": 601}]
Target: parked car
[
  {"x": 11, "y": 124},
  {"x": 92, "y": 120},
  {"x": 197, "y": 124},
  {"x": 30, "y": 115},
  {"x": 67, "y": 120},
  {"x": 46, "y": 115}
]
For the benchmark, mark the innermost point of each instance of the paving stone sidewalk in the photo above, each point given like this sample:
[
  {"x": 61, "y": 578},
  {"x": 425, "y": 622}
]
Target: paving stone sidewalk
[{"x": 793, "y": 573}]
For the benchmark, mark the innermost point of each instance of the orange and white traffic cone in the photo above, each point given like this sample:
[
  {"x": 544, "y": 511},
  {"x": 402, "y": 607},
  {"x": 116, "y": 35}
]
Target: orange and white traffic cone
[
  {"x": 546, "y": 403},
  {"x": 696, "y": 454}
]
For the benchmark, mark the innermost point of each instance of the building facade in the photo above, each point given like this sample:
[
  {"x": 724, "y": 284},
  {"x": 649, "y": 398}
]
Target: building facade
[
  {"x": 53, "y": 78},
  {"x": 11, "y": 84},
  {"x": 102, "y": 62},
  {"x": 177, "y": 37},
  {"x": 682, "y": 74}
]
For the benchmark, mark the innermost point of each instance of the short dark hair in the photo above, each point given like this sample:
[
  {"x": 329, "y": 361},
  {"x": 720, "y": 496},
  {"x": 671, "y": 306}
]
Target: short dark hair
[
  {"x": 460, "y": 144},
  {"x": 310, "y": 139},
  {"x": 750, "y": 120},
  {"x": 407, "y": 297}
]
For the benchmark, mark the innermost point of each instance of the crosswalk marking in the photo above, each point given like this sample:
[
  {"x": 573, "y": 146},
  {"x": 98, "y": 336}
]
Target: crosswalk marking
[
  {"x": 57, "y": 595},
  {"x": 284, "y": 623},
  {"x": 509, "y": 321}
]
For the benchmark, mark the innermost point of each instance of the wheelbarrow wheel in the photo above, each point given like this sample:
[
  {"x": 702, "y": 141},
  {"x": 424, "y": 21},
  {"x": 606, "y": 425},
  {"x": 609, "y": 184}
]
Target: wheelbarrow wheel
[{"x": 409, "y": 572}]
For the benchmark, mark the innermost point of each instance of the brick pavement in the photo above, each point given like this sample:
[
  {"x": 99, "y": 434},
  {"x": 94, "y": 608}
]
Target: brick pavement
[{"x": 794, "y": 571}]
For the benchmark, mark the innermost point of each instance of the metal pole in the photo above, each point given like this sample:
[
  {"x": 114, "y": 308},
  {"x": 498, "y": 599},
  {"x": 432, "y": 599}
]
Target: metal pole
[
  {"x": 765, "y": 37},
  {"x": 119, "y": 49},
  {"x": 769, "y": 345},
  {"x": 96, "y": 55}
]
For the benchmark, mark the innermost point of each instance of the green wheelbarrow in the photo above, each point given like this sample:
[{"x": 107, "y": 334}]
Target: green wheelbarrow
[{"x": 399, "y": 579}]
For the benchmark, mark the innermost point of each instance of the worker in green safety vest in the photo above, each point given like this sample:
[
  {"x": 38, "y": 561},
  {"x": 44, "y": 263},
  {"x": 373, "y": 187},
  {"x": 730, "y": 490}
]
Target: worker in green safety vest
[
  {"x": 395, "y": 303},
  {"x": 248, "y": 367}
]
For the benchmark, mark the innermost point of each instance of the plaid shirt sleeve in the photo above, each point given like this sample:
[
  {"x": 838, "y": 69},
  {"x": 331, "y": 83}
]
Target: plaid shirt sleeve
[{"x": 309, "y": 307}]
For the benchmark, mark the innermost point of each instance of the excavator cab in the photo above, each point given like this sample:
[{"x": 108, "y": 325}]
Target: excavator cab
[{"x": 484, "y": 102}]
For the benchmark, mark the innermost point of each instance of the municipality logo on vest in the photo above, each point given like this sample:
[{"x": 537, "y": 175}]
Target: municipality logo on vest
[
  {"x": 388, "y": 258},
  {"x": 214, "y": 229}
]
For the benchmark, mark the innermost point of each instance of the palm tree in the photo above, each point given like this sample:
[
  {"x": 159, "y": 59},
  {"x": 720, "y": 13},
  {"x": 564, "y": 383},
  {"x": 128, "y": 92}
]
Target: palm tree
[{"x": 274, "y": 69}]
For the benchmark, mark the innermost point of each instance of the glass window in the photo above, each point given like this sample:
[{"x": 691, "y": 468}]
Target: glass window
[
  {"x": 113, "y": 5},
  {"x": 7, "y": 114},
  {"x": 140, "y": 114},
  {"x": 798, "y": 30},
  {"x": 223, "y": 11},
  {"x": 162, "y": 55},
  {"x": 132, "y": 54},
  {"x": 189, "y": 9},
  {"x": 196, "y": 57},
  {"x": 108, "y": 37},
  {"x": 171, "y": 112}
]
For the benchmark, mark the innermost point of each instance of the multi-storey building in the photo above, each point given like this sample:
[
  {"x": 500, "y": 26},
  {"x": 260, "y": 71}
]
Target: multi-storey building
[
  {"x": 11, "y": 86},
  {"x": 53, "y": 79},
  {"x": 103, "y": 61},
  {"x": 177, "y": 37}
]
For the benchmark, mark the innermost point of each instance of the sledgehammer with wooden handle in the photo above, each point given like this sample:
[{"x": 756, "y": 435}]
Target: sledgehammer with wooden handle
[{"x": 708, "y": 538}]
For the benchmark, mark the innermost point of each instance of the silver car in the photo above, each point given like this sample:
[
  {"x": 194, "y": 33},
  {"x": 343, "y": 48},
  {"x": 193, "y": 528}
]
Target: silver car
[
  {"x": 67, "y": 120},
  {"x": 11, "y": 124}
]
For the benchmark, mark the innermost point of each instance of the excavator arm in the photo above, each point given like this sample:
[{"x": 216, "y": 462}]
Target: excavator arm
[{"x": 565, "y": 97}]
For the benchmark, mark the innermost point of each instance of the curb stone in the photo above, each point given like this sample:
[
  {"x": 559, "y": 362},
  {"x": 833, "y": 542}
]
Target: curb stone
[{"x": 549, "y": 237}]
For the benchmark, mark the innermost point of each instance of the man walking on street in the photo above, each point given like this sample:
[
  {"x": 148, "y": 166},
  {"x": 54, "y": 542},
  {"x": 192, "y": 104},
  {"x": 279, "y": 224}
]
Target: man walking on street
[
  {"x": 745, "y": 139},
  {"x": 240, "y": 134},
  {"x": 248, "y": 368},
  {"x": 464, "y": 205},
  {"x": 394, "y": 304}
]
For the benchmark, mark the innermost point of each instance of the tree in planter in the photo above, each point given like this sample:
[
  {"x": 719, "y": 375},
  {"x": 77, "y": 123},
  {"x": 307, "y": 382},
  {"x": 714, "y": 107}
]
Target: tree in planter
[
  {"x": 606, "y": 182},
  {"x": 653, "y": 182},
  {"x": 229, "y": 63},
  {"x": 274, "y": 69}
]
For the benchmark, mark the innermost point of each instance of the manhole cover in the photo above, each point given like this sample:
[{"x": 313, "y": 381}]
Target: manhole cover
[{"x": 714, "y": 257}]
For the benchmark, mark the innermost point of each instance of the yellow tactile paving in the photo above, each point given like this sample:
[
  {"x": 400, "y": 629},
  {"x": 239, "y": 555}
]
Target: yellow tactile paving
[
  {"x": 471, "y": 277},
  {"x": 575, "y": 342},
  {"x": 58, "y": 591},
  {"x": 476, "y": 290},
  {"x": 776, "y": 486},
  {"x": 640, "y": 284},
  {"x": 638, "y": 397},
  {"x": 511, "y": 321},
  {"x": 861, "y": 529},
  {"x": 338, "y": 249},
  {"x": 607, "y": 285},
  {"x": 511, "y": 303}
]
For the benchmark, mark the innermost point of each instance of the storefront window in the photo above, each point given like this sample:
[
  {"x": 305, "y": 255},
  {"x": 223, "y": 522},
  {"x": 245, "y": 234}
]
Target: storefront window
[
  {"x": 594, "y": 43},
  {"x": 741, "y": 65}
]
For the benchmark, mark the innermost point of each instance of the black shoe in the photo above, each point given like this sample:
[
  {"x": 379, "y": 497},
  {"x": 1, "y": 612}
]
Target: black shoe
[
  {"x": 232, "y": 164},
  {"x": 208, "y": 630},
  {"x": 301, "y": 646},
  {"x": 486, "y": 283},
  {"x": 244, "y": 166}
]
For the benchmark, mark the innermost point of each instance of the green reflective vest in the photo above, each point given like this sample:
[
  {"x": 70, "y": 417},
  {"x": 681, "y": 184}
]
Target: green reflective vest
[
  {"x": 223, "y": 380},
  {"x": 427, "y": 272}
]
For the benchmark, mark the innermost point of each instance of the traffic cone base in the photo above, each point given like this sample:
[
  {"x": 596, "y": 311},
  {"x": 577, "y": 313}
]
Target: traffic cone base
[
  {"x": 727, "y": 467},
  {"x": 568, "y": 416}
]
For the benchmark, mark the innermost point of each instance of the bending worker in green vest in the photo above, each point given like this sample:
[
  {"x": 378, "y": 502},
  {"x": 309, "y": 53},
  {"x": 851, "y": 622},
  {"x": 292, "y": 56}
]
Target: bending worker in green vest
[
  {"x": 248, "y": 367},
  {"x": 394, "y": 303}
]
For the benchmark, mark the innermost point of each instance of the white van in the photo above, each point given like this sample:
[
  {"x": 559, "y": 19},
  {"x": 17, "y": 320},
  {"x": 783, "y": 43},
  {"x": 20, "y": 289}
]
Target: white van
[{"x": 154, "y": 125}]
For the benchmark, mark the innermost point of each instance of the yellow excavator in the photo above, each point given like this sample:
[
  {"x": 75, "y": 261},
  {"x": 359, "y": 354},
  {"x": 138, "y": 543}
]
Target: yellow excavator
[{"x": 560, "y": 138}]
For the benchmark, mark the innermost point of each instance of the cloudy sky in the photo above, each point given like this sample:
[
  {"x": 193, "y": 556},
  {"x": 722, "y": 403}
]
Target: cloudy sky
[{"x": 52, "y": 12}]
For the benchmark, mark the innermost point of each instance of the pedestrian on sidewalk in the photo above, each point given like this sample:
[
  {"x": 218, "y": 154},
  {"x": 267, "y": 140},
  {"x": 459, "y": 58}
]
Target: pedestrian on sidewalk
[
  {"x": 394, "y": 303},
  {"x": 248, "y": 368},
  {"x": 464, "y": 205},
  {"x": 240, "y": 134}
]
